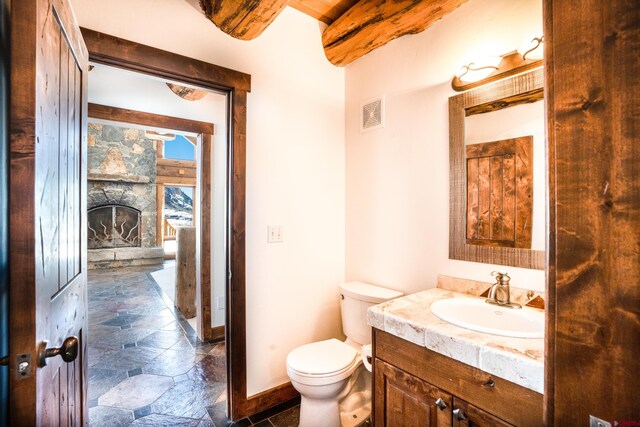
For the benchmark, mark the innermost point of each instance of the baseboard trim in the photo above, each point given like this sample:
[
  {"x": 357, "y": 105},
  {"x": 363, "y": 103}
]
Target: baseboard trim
[
  {"x": 214, "y": 333},
  {"x": 270, "y": 398}
]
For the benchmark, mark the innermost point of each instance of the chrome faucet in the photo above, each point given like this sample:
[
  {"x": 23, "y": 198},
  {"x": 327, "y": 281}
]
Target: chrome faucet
[{"x": 499, "y": 294}]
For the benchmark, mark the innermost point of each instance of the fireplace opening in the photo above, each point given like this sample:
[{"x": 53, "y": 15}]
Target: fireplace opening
[{"x": 113, "y": 226}]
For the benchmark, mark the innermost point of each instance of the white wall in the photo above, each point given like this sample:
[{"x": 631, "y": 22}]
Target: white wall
[
  {"x": 295, "y": 165},
  {"x": 397, "y": 194}
]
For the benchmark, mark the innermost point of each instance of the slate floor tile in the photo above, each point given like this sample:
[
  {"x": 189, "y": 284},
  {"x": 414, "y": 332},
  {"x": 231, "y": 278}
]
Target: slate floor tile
[
  {"x": 172, "y": 363},
  {"x": 98, "y": 353},
  {"x": 118, "y": 337},
  {"x": 104, "y": 416},
  {"x": 182, "y": 344},
  {"x": 288, "y": 418},
  {"x": 122, "y": 320},
  {"x": 129, "y": 359},
  {"x": 161, "y": 339},
  {"x": 98, "y": 316},
  {"x": 209, "y": 368},
  {"x": 154, "y": 321},
  {"x": 218, "y": 414},
  {"x": 102, "y": 380},
  {"x": 188, "y": 399},
  {"x": 159, "y": 420},
  {"x": 136, "y": 392}
]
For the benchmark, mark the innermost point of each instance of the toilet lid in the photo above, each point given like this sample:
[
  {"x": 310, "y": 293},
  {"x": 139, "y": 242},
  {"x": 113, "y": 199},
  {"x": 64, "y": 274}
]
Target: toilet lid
[{"x": 322, "y": 357}]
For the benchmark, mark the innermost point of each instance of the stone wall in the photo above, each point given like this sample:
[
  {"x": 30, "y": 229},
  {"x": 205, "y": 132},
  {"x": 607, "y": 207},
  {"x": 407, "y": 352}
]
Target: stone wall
[{"x": 122, "y": 170}]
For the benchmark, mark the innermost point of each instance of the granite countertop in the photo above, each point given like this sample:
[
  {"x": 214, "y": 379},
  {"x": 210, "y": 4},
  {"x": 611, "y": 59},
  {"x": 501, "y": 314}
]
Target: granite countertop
[{"x": 519, "y": 360}]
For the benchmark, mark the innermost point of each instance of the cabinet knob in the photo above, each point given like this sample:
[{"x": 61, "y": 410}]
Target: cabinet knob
[
  {"x": 459, "y": 414},
  {"x": 441, "y": 404}
]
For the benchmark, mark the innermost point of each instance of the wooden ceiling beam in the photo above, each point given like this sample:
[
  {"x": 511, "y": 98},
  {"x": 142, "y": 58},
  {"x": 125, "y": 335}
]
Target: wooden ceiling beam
[
  {"x": 325, "y": 11},
  {"x": 242, "y": 19},
  {"x": 370, "y": 24}
]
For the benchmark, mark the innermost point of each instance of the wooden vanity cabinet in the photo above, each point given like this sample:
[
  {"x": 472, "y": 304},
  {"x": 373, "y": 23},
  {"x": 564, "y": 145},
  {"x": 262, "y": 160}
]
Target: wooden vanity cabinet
[{"x": 409, "y": 380}]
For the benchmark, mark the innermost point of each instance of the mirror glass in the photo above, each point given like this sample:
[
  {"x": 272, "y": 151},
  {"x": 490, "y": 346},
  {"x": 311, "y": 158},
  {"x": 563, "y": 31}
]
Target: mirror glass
[
  {"x": 497, "y": 173},
  {"x": 514, "y": 121}
]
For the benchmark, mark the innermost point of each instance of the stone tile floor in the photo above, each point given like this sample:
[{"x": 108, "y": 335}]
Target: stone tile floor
[{"x": 146, "y": 364}]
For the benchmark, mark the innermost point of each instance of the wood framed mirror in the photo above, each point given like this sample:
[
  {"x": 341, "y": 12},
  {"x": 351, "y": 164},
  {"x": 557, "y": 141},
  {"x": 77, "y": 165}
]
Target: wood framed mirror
[{"x": 495, "y": 224}]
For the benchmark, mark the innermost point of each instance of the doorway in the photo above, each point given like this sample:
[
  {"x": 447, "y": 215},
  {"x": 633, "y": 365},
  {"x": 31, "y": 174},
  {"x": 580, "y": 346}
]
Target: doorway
[{"x": 151, "y": 187}]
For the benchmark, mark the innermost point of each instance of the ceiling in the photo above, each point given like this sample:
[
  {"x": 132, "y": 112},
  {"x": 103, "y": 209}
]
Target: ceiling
[{"x": 355, "y": 27}]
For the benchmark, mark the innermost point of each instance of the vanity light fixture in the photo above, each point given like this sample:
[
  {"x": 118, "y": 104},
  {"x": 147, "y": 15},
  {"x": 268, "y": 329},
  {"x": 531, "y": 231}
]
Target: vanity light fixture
[
  {"x": 478, "y": 73},
  {"x": 478, "y": 69},
  {"x": 532, "y": 48}
]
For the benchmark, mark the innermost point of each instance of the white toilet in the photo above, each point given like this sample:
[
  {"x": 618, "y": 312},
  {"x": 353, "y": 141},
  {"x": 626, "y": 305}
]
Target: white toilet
[{"x": 334, "y": 384}]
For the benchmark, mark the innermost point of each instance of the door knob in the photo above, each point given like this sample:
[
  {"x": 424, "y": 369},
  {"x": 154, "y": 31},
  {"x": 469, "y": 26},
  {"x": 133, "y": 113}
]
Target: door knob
[
  {"x": 459, "y": 414},
  {"x": 68, "y": 351},
  {"x": 441, "y": 404},
  {"x": 4, "y": 361}
]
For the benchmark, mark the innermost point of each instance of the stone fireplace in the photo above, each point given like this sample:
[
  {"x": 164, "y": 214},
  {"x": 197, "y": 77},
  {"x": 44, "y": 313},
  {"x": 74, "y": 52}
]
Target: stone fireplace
[{"x": 121, "y": 198}]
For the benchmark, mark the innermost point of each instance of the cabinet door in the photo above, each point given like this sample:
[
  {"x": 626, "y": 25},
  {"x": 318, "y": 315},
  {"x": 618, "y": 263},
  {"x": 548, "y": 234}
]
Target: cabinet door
[
  {"x": 467, "y": 415},
  {"x": 403, "y": 400}
]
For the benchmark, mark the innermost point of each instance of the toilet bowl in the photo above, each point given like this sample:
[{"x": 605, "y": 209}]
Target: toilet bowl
[{"x": 333, "y": 382}]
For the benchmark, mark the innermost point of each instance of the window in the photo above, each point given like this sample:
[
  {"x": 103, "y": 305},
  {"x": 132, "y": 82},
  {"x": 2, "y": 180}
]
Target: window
[{"x": 179, "y": 148}]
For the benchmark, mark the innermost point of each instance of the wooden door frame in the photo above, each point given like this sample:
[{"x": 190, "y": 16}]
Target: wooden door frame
[
  {"x": 204, "y": 132},
  {"x": 593, "y": 268},
  {"x": 116, "y": 52}
]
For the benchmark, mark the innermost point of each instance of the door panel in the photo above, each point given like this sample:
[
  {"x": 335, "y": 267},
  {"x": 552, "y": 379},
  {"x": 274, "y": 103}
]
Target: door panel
[
  {"x": 467, "y": 415},
  {"x": 47, "y": 212},
  {"x": 403, "y": 400}
]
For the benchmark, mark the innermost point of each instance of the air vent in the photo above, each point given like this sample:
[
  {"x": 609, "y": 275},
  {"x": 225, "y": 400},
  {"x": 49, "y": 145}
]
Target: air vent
[{"x": 372, "y": 115}]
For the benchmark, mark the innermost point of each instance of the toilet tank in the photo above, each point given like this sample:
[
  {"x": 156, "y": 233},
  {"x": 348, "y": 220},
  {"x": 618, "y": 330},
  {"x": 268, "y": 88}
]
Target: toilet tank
[{"x": 355, "y": 299}]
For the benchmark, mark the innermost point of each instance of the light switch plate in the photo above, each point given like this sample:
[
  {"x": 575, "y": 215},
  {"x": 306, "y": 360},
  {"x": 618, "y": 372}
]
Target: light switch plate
[{"x": 274, "y": 234}]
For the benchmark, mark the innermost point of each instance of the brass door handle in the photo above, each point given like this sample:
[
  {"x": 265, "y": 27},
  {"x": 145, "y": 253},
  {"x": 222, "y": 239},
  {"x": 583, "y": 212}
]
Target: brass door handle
[{"x": 68, "y": 351}]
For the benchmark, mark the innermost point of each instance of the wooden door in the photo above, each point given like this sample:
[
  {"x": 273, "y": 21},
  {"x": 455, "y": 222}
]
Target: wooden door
[
  {"x": 47, "y": 213},
  {"x": 467, "y": 415},
  {"x": 403, "y": 400}
]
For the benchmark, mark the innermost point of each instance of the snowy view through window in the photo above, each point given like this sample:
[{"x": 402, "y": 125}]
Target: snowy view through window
[{"x": 178, "y": 205}]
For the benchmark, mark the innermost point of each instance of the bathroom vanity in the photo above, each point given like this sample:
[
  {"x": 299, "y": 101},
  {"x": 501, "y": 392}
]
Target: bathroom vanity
[{"x": 430, "y": 372}]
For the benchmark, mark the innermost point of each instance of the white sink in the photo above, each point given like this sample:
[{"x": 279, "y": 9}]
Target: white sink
[{"x": 477, "y": 315}]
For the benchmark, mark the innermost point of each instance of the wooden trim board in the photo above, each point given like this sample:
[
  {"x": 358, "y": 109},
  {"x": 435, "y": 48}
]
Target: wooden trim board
[
  {"x": 117, "y": 52},
  {"x": 272, "y": 397},
  {"x": 593, "y": 287},
  {"x": 123, "y": 115}
]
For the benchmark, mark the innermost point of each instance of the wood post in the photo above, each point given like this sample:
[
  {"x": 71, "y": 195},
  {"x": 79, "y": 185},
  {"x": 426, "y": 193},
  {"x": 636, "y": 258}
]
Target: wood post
[{"x": 186, "y": 271}]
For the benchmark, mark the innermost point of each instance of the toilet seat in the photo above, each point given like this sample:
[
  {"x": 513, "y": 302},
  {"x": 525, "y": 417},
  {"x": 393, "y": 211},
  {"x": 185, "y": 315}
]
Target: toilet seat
[{"x": 322, "y": 362}]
